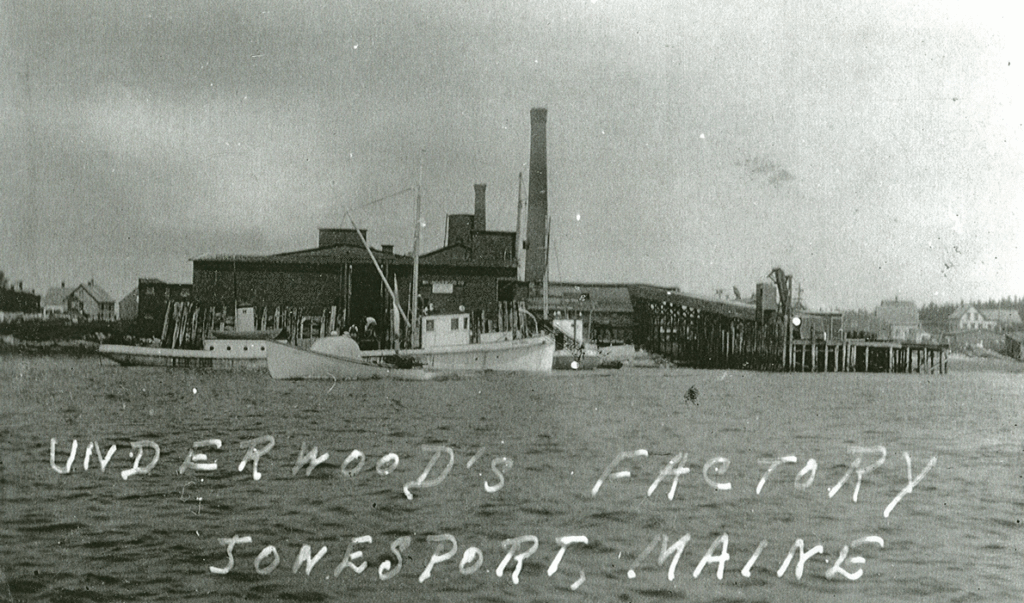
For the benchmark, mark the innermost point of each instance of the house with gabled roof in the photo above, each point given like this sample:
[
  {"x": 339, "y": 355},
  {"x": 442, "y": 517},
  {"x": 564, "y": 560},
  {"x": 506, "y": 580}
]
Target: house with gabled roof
[
  {"x": 900, "y": 318},
  {"x": 91, "y": 302},
  {"x": 87, "y": 301},
  {"x": 55, "y": 302},
  {"x": 967, "y": 318}
]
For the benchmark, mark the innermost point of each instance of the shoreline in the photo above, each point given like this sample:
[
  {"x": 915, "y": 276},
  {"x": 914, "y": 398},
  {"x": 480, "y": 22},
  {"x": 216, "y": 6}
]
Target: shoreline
[
  {"x": 989, "y": 362},
  {"x": 10, "y": 346},
  {"x": 957, "y": 363}
]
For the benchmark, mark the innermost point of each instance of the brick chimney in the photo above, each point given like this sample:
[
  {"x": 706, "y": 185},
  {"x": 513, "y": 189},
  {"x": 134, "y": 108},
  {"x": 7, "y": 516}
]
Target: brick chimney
[
  {"x": 480, "y": 209},
  {"x": 537, "y": 208}
]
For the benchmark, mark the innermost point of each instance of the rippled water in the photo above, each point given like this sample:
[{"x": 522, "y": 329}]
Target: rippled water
[{"x": 91, "y": 535}]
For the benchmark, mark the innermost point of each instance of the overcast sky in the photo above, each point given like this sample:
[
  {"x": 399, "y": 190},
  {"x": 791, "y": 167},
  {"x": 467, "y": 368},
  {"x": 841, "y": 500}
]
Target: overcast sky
[{"x": 871, "y": 149}]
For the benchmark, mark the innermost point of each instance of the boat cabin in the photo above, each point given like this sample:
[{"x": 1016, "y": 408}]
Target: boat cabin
[{"x": 439, "y": 330}]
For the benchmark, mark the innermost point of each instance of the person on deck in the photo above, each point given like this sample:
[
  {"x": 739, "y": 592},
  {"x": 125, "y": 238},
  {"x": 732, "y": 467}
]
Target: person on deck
[{"x": 369, "y": 339}]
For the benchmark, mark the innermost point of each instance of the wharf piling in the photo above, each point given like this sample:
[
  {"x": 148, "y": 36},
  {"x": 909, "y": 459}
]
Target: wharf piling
[{"x": 857, "y": 355}]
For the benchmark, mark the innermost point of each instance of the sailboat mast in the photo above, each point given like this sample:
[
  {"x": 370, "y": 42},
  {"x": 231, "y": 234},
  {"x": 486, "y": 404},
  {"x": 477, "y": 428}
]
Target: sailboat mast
[{"x": 414, "y": 302}]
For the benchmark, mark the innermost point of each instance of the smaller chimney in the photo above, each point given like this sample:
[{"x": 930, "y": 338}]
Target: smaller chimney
[{"x": 480, "y": 211}]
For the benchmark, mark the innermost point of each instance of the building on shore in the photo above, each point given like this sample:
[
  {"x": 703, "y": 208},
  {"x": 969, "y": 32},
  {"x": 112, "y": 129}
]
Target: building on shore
[
  {"x": 900, "y": 320},
  {"x": 969, "y": 327},
  {"x": 967, "y": 318},
  {"x": 86, "y": 302},
  {"x": 146, "y": 304},
  {"x": 970, "y": 318},
  {"x": 1014, "y": 345}
]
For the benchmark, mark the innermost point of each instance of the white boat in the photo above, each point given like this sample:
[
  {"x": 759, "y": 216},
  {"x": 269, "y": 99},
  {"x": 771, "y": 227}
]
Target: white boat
[
  {"x": 444, "y": 341},
  {"x": 335, "y": 358},
  {"x": 446, "y": 346},
  {"x": 216, "y": 353}
]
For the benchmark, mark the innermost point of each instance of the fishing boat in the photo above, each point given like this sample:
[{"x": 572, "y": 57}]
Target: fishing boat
[
  {"x": 335, "y": 358},
  {"x": 216, "y": 354},
  {"x": 439, "y": 342},
  {"x": 445, "y": 344}
]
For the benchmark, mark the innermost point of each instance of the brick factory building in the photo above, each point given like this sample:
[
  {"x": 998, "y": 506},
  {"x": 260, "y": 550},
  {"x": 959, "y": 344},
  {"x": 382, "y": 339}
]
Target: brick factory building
[{"x": 473, "y": 272}]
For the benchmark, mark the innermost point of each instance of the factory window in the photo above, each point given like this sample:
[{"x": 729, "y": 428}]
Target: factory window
[
  {"x": 455, "y": 324},
  {"x": 429, "y": 326},
  {"x": 506, "y": 289}
]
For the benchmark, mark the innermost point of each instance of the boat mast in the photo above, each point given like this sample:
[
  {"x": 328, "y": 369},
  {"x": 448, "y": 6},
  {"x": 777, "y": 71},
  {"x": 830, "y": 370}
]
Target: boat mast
[
  {"x": 414, "y": 302},
  {"x": 520, "y": 235},
  {"x": 547, "y": 262},
  {"x": 380, "y": 272}
]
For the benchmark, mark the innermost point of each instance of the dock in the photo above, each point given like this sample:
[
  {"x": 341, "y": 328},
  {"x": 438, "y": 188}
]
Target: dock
[
  {"x": 706, "y": 333},
  {"x": 857, "y": 355},
  {"x": 702, "y": 332}
]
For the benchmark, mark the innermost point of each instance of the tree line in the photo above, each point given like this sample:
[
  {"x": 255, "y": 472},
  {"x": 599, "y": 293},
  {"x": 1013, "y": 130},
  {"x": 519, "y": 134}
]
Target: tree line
[{"x": 939, "y": 313}]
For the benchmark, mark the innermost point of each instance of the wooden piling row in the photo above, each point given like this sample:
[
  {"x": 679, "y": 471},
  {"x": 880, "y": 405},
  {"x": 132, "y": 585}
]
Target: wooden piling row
[{"x": 851, "y": 355}]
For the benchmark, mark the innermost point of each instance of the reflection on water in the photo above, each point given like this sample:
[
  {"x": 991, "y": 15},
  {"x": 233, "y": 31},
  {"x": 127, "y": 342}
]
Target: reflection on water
[{"x": 440, "y": 491}]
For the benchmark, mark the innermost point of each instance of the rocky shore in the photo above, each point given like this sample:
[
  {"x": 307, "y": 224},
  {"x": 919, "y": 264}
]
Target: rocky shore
[{"x": 54, "y": 337}]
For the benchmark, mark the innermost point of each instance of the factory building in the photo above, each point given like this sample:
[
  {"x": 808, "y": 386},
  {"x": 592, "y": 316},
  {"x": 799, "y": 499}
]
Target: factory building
[{"x": 473, "y": 272}]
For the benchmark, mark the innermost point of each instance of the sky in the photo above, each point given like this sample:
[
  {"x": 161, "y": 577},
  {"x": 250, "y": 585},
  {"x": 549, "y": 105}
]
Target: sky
[{"x": 873, "y": 150}]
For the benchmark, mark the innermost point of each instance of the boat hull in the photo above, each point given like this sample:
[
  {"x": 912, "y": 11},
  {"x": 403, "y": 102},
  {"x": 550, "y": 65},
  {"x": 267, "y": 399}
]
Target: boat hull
[
  {"x": 245, "y": 355},
  {"x": 289, "y": 362},
  {"x": 534, "y": 354}
]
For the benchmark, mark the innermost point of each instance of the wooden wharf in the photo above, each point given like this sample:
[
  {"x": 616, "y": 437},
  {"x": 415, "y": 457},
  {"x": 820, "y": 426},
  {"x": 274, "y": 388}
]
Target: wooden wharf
[
  {"x": 701, "y": 332},
  {"x": 706, "y": 333}
]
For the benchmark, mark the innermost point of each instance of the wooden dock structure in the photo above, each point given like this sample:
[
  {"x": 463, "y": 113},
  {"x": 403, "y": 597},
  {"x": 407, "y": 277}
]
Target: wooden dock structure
[
  {"x": 702, "y": 332},
  {"x": 857, "y": 355},
  {"x": 706, "y": 333}
]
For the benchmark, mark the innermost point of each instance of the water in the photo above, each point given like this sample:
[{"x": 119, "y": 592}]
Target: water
[{"x": 91, "y": 535}]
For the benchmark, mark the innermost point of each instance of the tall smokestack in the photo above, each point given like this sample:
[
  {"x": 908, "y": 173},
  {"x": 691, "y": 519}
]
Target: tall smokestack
[
  {"x": 537, "y": 199},
  {"x": 480, "y": 209}
]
